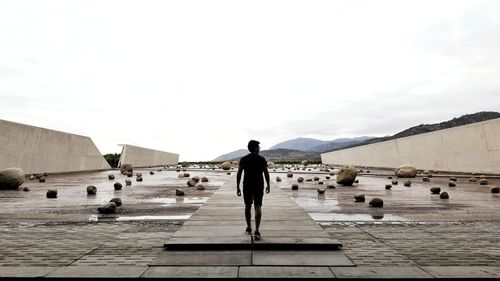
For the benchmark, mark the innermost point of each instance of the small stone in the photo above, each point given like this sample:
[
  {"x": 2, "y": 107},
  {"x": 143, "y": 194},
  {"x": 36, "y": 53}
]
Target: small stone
[
  {"x": 186, "y": 175},
  {"x": 51, "y": 193},
  {"x": 482, "y": 177},
  {"x": 109, "y": 208},
  {"x": 196, "y": 179},
  {"x": 327, "y": 177},
  {"x": 41, "y": 179},
  {"x": 91, "y": 190},
  {"x": 129, "y": 174},
  {"x": 128, "y": 182},
  {"x": 179, "y": 192},
  {"x": 435, "y": 190},
  {"x": 117, "y": 201},
  {"x": 376, "y": 202},
  {"x": 45, "y": 174},
  {"x": 300, "y": 179},
  {"x": 388, "y": 186},
  {"x": 495, "y": 189},
  {"x": 425, "y": 179},
  {"x": 356, "y": 181},
  {"x": 289, "y": 174},
  {"x": 321, "y": 190},
  {"x": 117, "y": 186},
  {"x": 389, "y": 177},
  {"x": 359, "y": 198},
  {"x": 452, "y": 184},
  {"x": 200, "y": 187},
  {"x": 453, "y": 179},
  {"x": 278, "y": 179},
  {"x": 473, "y": 179},
  {"x": 444, "y": 195},
  {"x": 204, "y": 179},
  {"x": 483, "y": 182},
  {"x": 309, "y": 179},
  {"x": 111, "y": 177},
  {"x": 28, "y": 189},
  {"x": 407, "y": 183},
  {"x": 228, "y": 173},
  {"x": 180, "y": 176},
  {"x": 138, "y": 179},
  {"x": 394, "y": 182},
  {"x": 151, "y": 172},
  {"x": 295, "y": 186},
  {"x": 316, "y": 178},
  {"x": 330, "y": 186},
  {"x": 32, "y": 177},
  {"x": 191, "y": 183},
  {"x": 320, "y": 182}
]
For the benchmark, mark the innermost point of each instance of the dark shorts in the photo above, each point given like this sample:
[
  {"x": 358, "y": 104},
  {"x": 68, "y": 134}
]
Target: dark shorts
[{"x": 253, "y": 196}]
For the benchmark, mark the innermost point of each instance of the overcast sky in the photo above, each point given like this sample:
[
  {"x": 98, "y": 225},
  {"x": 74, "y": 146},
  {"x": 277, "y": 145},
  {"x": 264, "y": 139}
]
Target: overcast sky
[{"x": 201, "y": 78}]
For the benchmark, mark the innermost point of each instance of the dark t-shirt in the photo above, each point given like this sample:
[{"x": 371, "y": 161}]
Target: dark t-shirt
[{"x": 253, "y": 166}]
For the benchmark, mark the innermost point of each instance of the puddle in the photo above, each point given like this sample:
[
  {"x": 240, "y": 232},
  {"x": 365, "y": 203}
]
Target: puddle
[
  {"x": 318, "y": 204},
  {"x": 355, "y": 217},
  {"x": 141, "y": 218},
  {"x": 195, "y": 200},
  {"x": 186, "y": 200}
]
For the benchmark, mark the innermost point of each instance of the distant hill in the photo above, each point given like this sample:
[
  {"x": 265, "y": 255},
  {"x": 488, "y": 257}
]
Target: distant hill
[
  {"x": 282, "y": 154},
  {"x": 425, "y": 128},
  {"x": 232, "y": 155},
  {"x": 304, "y": 144},
  {"x": 339, "y": 143}
]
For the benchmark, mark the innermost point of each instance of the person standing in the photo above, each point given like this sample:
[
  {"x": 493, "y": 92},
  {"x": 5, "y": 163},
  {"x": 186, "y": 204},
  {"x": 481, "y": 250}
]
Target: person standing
[{"x": 254, "y": 166}]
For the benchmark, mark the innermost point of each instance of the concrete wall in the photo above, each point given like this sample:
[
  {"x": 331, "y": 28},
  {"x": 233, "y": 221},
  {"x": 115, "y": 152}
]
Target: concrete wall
[
  {"x": 145, "y": 157},
  {"x": 38, "y": 150},
  {"x": 470, "y": 148}
]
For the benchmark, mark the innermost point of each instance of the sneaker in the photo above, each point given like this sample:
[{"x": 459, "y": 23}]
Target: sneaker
[
  {"x": 257, "y": 235},
  {"x": 248, "y": 230}
]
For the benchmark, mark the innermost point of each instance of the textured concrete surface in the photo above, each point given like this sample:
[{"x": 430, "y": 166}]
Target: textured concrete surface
[
  {"x": 39, "y": 150},
  {"x": 469, "y": 148},
  {"x": 146, "y": 157}
]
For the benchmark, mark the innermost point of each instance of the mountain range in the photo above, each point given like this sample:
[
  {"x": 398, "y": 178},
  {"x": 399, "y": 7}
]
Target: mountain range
[{"x": 311, "y": 149}]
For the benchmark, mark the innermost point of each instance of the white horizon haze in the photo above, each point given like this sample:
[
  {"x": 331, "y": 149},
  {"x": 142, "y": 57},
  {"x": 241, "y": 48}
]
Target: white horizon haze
[{"x": 202, "y": 78}]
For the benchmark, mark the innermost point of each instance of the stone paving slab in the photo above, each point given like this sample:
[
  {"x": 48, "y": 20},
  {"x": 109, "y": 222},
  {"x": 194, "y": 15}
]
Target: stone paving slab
[
  {"x": 380, "y": 272},
  {"x": 99, "y": 271},
  {"x": 203, "y": 258},
  {"x": 285, "y": 272},
  {"x": 300, "y": 258},
  {"x": 191, "y": 272},
  {"x": 463, "y": 271},
  {"x": 25, "y": 271}
]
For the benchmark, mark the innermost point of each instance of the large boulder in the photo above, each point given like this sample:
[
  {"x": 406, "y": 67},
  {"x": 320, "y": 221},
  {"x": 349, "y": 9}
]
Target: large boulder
[
  {"x": 126, "y": 168},
  {"x": 226, "y": 165},
  {"x": 405, "y": 171},
  {"x": 347, "y": 175},
  {"x": 11, "y": 178},
  {"x": 109, "y": 208}
]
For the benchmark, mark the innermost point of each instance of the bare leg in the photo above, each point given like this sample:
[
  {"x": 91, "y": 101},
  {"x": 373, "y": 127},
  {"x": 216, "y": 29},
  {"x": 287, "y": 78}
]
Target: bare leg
[
  {"x": 248, "y": 215},
  {"x": 258, "y": 216}
]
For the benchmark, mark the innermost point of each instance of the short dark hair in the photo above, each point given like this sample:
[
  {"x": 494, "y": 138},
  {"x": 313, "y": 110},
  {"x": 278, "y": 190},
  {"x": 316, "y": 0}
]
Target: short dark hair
[{"x": 253, "y": 145}]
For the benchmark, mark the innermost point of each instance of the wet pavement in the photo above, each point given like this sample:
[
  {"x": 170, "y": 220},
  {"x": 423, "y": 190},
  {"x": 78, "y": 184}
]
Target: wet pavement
[{"x": 416, "y": 233}]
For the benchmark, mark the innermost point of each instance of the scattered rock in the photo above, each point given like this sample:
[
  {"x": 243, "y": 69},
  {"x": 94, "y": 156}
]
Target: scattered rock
[
  {"x": 45, "y": 174},
  {"x": 32, "y": 177},
  {"x": 200, "y": 187},
  {"x": 394, "y": 182},
  {"x": 117, "y": 201},
  {"x": 128, "y": 182},
  {"x": 309, "y": 179},
  {"x": 295, "y": 186},
  {"x": 278, "y": 179},
  {"x": 126, "y": 168},
  {"x": 483, "y": 182},
  {"x": 117, "y": 186},
  {"x": 204, "y": 179},
  {"x": 389, "y": 177},
  {"x": 41, "y": 179},
  {"x": 196, "y": 179},
  {"x": 406, "y": 171},
  {"x": 111, "y": 177},
  {"x": 179, "y": 192},
  {"x": 453, "y": 179},
  {"x": 356, "y": 181},
  {"x": 11, "y": 178},
  {"x": 304, "y": 162},
  {"x": 228, "y": 173},
  {"x": 289, "y": 175},
  {"x": 495, "y": 189},
  {"x": 180, "y": 176},
  {"x": 444, "y": 195},
  {"x": 226, "y": 165},
  {"x": 91, "y": 190},
  {"x": 138, "y": 174},
  {"x": 300, "y": 179},
  {"x": 330, "y": 186},
  {"x": 347, "y": 175},
  {"x": 191, "y": 183},
  {"x": 359, "y": 198},
  {"x": 482, "y": 177},
  {"x": 129, "y": 174},
  {"x": 435, "y": 190},
  {"x": 425, "y": 179},
  {"x": 452, "y": 184},
  {"x": 51, "y": 193},
  {"x": 320, "y": 182},
  {"x": 316, "y": 178},
  {"x": 28, "y": 189},
  {"x": 376, "y": 202},
  {"x": 151, "y": 172},
  {"x": 473, "y": 179},
  {"x": 321, "y": 190},
  {"x": 186, "y": 175},
  {"x": 109, "y": 208},
  {"x": 407, "y": 183},
  {"x": 327, "y": 177},
  {"x": 388, "y": 186},
  {"x": 138, "y": 179}
]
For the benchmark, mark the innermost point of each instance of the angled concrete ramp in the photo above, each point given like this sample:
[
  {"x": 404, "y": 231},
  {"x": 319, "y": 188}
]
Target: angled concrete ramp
[{"x": 215, "y": 235}]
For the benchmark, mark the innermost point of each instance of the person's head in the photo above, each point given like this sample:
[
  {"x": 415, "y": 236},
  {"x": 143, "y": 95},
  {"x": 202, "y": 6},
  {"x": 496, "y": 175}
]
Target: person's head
[{"x": 253, "y": 146}]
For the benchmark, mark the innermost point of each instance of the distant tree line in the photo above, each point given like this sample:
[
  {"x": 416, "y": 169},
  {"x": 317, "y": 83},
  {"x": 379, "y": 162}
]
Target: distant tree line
[{"x": 112, "y": 159}]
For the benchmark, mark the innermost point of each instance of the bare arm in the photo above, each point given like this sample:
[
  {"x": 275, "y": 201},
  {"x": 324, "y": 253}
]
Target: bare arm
[
  {"x": 266, "y": 176},
  {"x": 238, "y": 179}
]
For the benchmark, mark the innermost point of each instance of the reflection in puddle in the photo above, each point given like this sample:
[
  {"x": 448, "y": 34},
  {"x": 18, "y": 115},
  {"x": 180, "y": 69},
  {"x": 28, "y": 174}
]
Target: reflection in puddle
[
  {"x": 355, "y": 217},
  {"x": 186, "y": 200},
  {"x": 319, "y": 204},
  {"x": 138, "y": 218},
  {"x": 195, "y": 200}
]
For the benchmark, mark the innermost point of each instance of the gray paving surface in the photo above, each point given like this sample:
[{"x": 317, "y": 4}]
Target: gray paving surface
[{"x": 414, "y": 249}]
